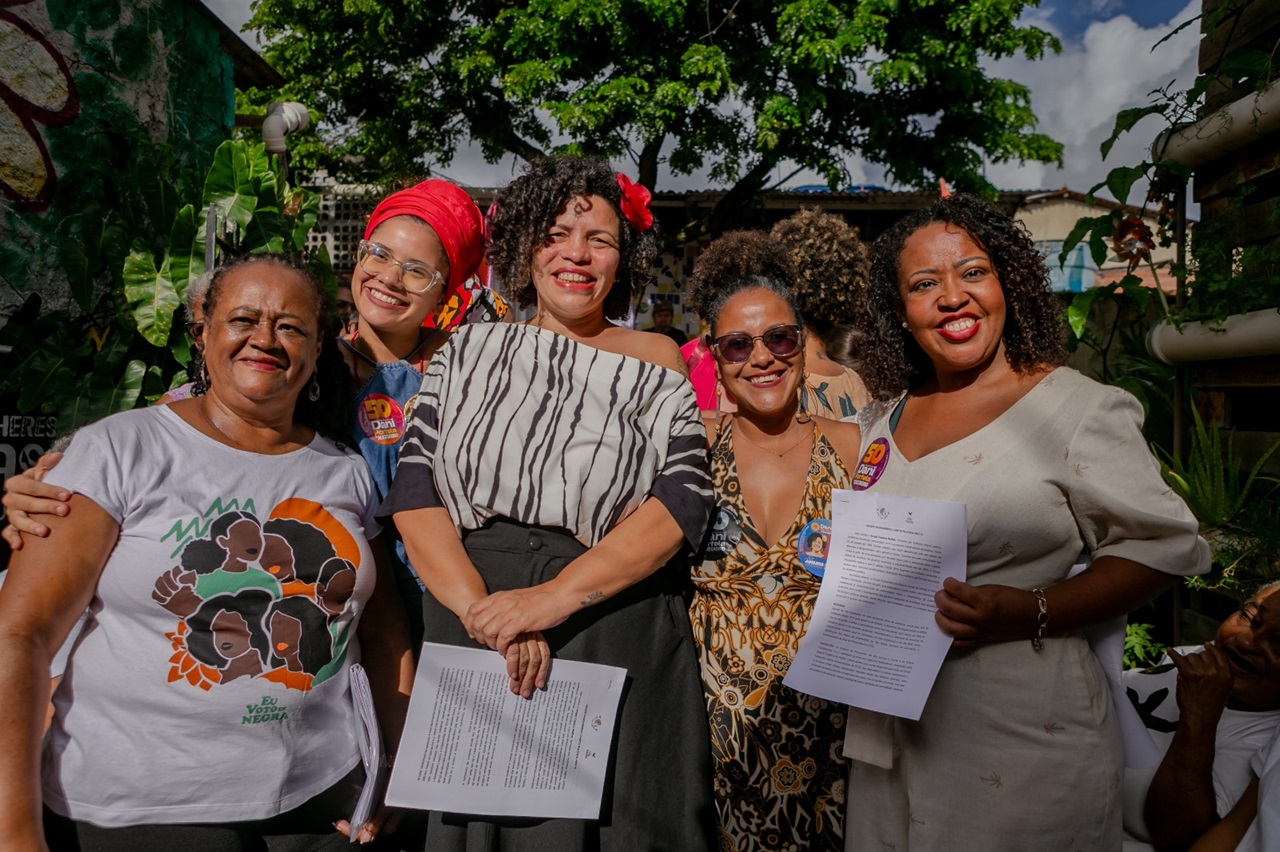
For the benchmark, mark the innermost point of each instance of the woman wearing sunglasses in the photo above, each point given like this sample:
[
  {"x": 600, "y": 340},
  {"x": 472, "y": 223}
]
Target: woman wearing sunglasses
[{"x": 779, "y": 774}]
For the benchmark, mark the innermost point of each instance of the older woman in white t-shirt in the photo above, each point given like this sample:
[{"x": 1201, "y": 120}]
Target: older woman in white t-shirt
[{"x": 221, "y": 547}]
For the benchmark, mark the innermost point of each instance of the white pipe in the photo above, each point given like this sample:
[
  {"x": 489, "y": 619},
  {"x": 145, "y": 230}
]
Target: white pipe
[
  {"x": 1240, "y": 336},
  {"x": 1234, "y": 126},
  {"x": 282, "y": 117}
]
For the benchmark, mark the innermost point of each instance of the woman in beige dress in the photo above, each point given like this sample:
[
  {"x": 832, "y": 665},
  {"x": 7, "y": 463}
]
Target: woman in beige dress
[{"x": 1017, "y": 747}]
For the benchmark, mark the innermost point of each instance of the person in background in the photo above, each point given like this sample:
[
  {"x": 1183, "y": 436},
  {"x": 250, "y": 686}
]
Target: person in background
[
  {"x": 206, "y": 704},
  {"x": 662, "y": 318},
  {"x": 1017, "y": 747},
  {"x": 1210, "y": 712},
  {"x": 780, "y": 776},
  {"x": 832, "y": 264},
  {"x": 345, "y": 314},
  {"x": 550, "y": 473},
  {"x": 1253, "y": 825}
]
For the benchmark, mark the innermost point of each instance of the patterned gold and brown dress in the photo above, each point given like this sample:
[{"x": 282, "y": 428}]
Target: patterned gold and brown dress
[{"x": 779, "y": 769}]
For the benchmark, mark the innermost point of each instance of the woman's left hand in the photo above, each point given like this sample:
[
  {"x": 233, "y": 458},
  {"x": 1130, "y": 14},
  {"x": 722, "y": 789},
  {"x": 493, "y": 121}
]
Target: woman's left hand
[
  {"x": 974, "y": 614},
  {"x": 497, "y": 620},
  {"x": 385, "y": 821}
]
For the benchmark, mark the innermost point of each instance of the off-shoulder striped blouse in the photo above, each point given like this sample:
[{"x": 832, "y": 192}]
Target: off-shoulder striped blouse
[{"x": 523, "y": 423}]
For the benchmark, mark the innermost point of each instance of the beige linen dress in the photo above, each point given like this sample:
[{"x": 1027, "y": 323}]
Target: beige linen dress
[{"x": 1017, "y": 749}]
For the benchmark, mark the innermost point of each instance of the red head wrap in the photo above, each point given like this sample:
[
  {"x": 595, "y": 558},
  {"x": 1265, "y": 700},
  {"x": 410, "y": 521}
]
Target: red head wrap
[{"x": 454, "y": 217}]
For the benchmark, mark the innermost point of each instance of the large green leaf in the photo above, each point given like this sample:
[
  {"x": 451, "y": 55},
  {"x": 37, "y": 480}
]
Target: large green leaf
[
  {"x": 150, "y": 294},
  {"x": 79, "y": 268},
  {"x": 235, "y": 180},
  {"x": 1121, "y": 180},
  {"x": 90, "y": 247},
  {"x": 186, "y": 249},
  {"x": 1082, "y": 230},
  {"x": 149, "y": 173},
  {"x": 1078, "y": 310}
]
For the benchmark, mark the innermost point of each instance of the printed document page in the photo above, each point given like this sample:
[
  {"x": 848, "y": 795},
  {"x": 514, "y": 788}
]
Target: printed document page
[
  {"x": 872, "y": 641},
  {"x": 470, "y": 746}
]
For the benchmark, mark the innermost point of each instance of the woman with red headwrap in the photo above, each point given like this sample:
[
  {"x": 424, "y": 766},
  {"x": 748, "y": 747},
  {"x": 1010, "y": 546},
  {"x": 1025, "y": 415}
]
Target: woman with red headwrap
[{"x": 420, "y": 248}]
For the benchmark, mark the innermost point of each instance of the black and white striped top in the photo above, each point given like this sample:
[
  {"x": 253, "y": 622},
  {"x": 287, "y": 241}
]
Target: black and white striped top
[{"x": 519, "y": 422}]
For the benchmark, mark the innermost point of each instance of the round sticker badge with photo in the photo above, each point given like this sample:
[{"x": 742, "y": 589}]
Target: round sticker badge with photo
[
  {"x": 872, "y": 465},
  {"x": 813, "y": 546},
  {"x": 381, "y": 418}
]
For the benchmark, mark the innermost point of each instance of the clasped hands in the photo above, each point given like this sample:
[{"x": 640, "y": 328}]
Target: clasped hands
[{"x": 511, "y": 623}]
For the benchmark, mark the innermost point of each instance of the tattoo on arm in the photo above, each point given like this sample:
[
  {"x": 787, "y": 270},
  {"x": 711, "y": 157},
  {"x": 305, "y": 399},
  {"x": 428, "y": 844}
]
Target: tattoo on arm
[{"x": 594, "y": 597}]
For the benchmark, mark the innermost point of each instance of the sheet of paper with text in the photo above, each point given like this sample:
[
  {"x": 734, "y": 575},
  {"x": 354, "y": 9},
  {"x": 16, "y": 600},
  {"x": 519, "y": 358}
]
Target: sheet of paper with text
[
  {"x": 470, "y": 746},
  {"x": 872, "y": 641}
]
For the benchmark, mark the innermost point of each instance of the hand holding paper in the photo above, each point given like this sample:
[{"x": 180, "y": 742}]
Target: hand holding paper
[
  {"x": 472, "y": 747},
  {"x": 874, "y": 640},
  {"x": 974, "y": 614}
]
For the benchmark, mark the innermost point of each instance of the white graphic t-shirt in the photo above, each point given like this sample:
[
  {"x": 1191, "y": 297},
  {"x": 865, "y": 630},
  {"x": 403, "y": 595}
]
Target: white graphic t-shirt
[{"x": 209, "y": 683}]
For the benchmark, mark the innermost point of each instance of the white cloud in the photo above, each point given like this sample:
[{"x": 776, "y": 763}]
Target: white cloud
[{"x": 1077, "y": 94}]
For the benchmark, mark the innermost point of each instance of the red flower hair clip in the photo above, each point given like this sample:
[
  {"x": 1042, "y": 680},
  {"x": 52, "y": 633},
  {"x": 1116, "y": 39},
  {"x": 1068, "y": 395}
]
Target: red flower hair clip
[{"x": 635, "y": 203}]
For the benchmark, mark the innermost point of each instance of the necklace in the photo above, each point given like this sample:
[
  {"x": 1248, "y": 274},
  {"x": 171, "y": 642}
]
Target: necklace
[
  {"x": 808, "y": 433},
  {"x": 422, "y": 341}
]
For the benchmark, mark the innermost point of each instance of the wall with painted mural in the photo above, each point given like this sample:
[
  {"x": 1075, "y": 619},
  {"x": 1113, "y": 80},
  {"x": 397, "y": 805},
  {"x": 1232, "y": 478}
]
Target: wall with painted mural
[
  {"x": 106, "y": 108},
  {"x": 110, "y": 111}
]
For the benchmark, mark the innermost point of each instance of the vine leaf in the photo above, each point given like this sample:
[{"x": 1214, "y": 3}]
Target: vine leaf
[
  {"x": 1126, "y": 119},
  {"x": 1121, "y": 180},
  {"x": 1078, "y": 311}
]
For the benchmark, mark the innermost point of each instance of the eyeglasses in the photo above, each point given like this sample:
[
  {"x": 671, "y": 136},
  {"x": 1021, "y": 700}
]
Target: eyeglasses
[
  {"x": 782, "y": 341},
  {"x": 416, "y": 276}
]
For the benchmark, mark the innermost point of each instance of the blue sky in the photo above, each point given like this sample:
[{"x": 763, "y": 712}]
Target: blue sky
[
  {"x": 1106, "y": 65},
  {"x": 1073, "y": 18}
]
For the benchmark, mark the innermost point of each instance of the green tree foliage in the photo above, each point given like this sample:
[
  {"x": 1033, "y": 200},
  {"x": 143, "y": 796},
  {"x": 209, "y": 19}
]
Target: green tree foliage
[{"x": 739, "y": 87}]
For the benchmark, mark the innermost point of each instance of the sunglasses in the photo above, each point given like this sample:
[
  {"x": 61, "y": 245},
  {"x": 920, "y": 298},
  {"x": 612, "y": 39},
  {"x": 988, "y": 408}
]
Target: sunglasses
[{"x": 782, "y": 341}]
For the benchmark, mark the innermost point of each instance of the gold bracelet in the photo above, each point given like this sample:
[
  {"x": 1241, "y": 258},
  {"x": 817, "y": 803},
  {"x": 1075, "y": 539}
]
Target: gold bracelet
[{"x": 1042, "y": 620}]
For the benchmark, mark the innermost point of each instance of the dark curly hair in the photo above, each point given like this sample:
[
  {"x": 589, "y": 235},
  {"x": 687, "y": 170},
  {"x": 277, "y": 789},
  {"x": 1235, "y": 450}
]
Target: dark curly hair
[
  {"x": 1033, "y": 332},
  {"x": 528, "y": 207},
  {"x": 738, "y": 261},
  {"x": 832, "y": 265},
  {"x": 330, "y": 414}
]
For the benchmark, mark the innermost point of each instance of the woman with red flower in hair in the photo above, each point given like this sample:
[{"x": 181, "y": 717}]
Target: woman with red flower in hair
[{"x": 551, "y": 476}]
